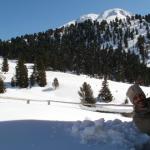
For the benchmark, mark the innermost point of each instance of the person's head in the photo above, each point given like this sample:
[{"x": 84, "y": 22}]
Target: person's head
[{"x": 137, "y": 97}]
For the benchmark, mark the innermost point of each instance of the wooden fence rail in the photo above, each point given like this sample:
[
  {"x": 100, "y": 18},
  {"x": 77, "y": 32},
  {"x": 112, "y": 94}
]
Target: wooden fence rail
[{"x": 65, "y": 102}]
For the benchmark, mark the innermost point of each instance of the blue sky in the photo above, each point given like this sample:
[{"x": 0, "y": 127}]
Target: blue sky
[{"x": 19, "y": 17}]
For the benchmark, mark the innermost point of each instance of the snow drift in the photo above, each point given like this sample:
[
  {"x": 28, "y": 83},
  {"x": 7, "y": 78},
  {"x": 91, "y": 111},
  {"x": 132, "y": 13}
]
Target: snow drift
[{"x": 114, "y": 135}]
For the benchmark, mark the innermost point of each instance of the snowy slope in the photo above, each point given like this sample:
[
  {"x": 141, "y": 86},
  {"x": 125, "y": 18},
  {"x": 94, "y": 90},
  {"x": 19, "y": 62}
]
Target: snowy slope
[
  {"x": 69, "y": 87},
  {"x": 67, "y": 92},
  {"x": 62, "y": 125}
]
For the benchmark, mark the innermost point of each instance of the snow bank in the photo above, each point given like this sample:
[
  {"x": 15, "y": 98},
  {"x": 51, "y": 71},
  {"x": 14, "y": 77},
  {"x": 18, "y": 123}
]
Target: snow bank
[{"x": 114, "y": 135}]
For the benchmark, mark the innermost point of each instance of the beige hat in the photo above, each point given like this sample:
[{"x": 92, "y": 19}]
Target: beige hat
[{"x": 133, "y": 91}]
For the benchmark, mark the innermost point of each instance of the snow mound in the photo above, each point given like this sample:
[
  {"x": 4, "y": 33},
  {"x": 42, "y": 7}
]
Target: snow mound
[{"x": 110, "y": 135}]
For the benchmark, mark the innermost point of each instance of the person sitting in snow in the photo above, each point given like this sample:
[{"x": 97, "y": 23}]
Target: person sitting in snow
[{"x": 141, "y": 104}]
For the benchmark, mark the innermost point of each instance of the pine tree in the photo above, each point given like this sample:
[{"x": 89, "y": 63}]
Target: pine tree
[
  {"x": 55, "y": 83},
  {"x": 86, "y": 94},
  {"x": 21, "y": 74},
  {"x": 2, "y": 87},
  {"x": 141, "y": 46},
  {"x": 41, "y": 79},
  {"x": 105, "y": 94},
  {"x": 5, "y": 66},
  {"x": 41, "y": 74},
  {"x": 126, "y": 39}
]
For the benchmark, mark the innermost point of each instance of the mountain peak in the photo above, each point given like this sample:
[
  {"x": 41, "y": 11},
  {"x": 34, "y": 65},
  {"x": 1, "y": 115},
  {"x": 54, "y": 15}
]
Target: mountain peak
[
  {"x": 111, "y": 14},
  {"x": 107, "y": 15},
  {"x": 90, "y": 16}
]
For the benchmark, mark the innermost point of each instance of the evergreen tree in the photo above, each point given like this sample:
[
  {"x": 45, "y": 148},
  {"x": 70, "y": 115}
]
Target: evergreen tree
[
  {"x": 141, "y": 46},
  {"x": 126, "y": 40},
  {"x": 41, "y": 74},
  {"x": 55, "y": 83},
  {"x": 2, "y": 87},
  {"x": 21, "y": 74},
  {"x": 5, "y": 66},
  {"x": 86, "y": 94},
  {"x": 105, "y": 94}
]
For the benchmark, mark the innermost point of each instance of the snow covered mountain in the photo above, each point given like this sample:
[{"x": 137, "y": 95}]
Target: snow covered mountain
[
  {"x": 88, "y": 16},
  {"x": 133, "y": 28},
  {"x": 108, "y": 15},
  {"x": 77, "y": 43},
  {"x": 112, "y": 14}
]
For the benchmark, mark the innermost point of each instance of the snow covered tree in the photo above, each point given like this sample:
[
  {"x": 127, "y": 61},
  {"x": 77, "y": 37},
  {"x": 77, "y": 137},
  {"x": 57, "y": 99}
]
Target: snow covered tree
[
  {"x": 5, "y": 66},
  {"x": 2, "y": 87},
  {"x": 86, "y": 94},
  {"x": 21, "y": 74},
  {"x": 55, "y": 83},
  {"x": 105, "y": 94}
]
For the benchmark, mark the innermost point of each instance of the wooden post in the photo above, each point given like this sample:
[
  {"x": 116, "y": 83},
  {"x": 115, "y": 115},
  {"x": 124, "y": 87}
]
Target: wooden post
[
  {"x": 48, "y": 102},
  {"x": 28, "y": 101}
]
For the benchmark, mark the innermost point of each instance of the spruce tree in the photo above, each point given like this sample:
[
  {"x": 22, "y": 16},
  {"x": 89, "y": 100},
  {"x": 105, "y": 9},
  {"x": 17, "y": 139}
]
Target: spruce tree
[
  {"x": 2, "y": 87},
  {"x": 105, "y": 94},
  {"x": 55, "y": 83},
  {"x": 41, "y": 74},
  {"x": 86, "y": 94},
  {"x": 5, "y": 66},
  {"x": 21, "y": 74},
  {"x": 41, "y": 79}
]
